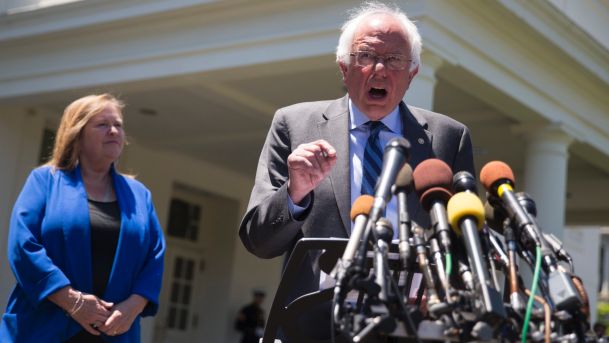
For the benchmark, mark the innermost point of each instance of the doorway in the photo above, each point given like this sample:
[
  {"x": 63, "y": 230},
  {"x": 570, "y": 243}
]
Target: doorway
[{"x": 200, "y": 233}]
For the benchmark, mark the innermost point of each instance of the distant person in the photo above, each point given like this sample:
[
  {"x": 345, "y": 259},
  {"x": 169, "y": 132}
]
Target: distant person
[
  {"x": 600, "y": 329},
  {"x": 250, "y": 320},
  {"x": 84, "y": 244}
]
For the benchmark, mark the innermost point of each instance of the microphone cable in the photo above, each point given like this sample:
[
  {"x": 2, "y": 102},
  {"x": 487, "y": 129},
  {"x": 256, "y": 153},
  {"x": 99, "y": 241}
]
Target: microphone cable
[
  {"x": 449, "y": 264},
  {"x": 547, "y": 313},
  {"x": 529, "y": 311}
]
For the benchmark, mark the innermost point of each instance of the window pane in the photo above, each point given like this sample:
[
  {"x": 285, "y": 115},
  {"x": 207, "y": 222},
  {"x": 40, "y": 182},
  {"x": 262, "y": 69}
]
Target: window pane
[
  {"x": 190, "y": 266},
  {"x": 171, "y": 318},
  {"x": 196, "y": 212},
  {"x": 183, "y": 318},
  {"x": 186, "y": 295},
  {"x": 178, "y": 218},
  {"x": 192, "y": 232},
  {"x": 175, "y": 292},
  {"x": 177, "y": 268}
]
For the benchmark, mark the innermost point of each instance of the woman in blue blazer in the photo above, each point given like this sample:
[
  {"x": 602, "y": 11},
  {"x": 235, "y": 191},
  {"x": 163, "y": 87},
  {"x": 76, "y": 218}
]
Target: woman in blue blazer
[{"x": 85, "y": 243}]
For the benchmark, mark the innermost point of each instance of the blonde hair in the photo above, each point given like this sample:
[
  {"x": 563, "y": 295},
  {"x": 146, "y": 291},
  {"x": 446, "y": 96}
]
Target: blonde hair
[{"x": 73, "y": 120}]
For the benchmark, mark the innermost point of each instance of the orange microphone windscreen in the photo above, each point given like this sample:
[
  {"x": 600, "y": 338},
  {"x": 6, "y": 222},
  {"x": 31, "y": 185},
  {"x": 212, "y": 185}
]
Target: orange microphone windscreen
[
  {"x": 361, "y": 205},
  {"x": 493, "y": 172}
]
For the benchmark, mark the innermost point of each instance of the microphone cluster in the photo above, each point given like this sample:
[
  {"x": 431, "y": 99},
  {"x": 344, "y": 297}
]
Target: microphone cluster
[{"x": 469, "y": 262}]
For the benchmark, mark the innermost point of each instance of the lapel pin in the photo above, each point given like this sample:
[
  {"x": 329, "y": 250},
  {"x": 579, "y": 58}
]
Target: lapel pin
[{"x": 421, "y": 141}]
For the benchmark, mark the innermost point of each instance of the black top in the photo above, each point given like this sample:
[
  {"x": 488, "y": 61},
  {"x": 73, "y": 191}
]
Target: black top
[{"x": 105, "y": 228}]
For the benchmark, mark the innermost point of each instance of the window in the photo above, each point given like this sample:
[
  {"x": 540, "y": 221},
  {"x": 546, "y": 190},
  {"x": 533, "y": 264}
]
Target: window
[
  {"x": 184, "y": 220},
  {"x": 180, "y": 296}
]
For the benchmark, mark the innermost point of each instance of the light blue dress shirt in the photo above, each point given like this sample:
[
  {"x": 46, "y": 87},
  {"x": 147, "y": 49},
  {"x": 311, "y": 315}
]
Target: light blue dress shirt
[{"x": 358, "y": 137}]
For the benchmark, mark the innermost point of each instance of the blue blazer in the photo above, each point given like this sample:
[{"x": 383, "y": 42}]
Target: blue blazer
[{"x": 49, "y": 247}]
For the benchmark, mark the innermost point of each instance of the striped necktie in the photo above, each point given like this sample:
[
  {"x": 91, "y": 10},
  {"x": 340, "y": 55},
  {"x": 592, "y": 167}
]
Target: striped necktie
[{"x": 373, "y": 158}]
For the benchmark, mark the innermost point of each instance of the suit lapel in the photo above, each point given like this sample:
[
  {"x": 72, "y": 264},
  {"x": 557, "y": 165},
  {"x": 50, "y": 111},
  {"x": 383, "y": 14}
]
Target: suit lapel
[
  {"x": 415, "y": 130},
  {"x": 334, "y": 128},
  {"x": 414, "y": 127}
]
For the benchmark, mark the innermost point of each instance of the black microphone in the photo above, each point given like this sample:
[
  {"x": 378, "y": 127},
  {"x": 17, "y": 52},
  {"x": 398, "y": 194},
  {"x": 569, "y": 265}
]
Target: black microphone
[
  {"x": 529, "y": 206},
  {"x": 402, "y": 187},
  {"x": 466, "y": 215},
  {"x": 558, "y": 248},
  {"x": 464, "y": 181},
  {"x": 527, "y": 203},
  {"x": 384, "y": 234},
  {"x": 562, "y": 290},
  {"x": 395, "y": 156},
  {"x": 494, "y": 214},
  {"x": 498, "y": 179},
  {"x": 497, "y": 220}
]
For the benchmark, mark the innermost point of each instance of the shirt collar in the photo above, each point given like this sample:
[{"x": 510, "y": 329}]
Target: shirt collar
[{"x": 357, "y": 118}]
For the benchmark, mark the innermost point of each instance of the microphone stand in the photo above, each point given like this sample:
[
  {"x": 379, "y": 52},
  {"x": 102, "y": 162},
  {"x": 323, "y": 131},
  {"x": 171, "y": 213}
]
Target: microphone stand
[
  {"x": 382, "y": 320},
  {"x": 440, "y": 270},
  {"x": 421, "y": 250}
]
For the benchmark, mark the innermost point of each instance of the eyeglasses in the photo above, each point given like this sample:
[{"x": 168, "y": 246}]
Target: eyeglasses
[{"x": 391, "y": 61}]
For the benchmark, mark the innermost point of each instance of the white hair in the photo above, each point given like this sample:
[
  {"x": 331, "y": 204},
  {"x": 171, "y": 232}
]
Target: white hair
[{"x": 345, "y": 42}]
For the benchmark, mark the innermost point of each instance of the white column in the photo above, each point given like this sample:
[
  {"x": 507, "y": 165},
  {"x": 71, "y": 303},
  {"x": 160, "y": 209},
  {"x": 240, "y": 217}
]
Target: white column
[
  {"x": 422, "y": 87},
  {"x": 583, "y": 244},
  {"x": 605, "y": 271},
  {"x": 545, "y": 174},
  {"x": 20, "y": 140}
]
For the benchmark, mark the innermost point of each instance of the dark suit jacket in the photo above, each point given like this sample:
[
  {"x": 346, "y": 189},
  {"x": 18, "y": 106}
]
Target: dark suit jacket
[{"x": 269, "y": 230}]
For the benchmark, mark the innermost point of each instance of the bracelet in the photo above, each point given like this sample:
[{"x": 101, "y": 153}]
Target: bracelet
[
  {"x": 75, "y": 303},
  {"x": 78, "y": 308},
  {"x": 75, "y": 307}
]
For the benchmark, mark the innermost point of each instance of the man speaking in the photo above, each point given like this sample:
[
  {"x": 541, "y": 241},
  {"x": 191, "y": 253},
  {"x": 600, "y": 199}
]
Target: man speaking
[{"x": 318, "y": 157}]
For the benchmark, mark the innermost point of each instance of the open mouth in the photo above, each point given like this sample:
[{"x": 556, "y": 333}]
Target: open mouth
[{"x": 377, "y": 93}]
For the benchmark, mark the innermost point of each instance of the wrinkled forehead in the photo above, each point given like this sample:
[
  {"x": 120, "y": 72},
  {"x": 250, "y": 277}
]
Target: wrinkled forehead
[{"x": 380, "y": 29}]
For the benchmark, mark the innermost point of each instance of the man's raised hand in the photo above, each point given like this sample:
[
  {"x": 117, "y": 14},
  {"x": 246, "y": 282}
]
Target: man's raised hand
[{"x": 308, "y": 165}]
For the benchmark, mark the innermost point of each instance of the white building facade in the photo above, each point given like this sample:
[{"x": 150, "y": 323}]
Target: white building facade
[{"x": 202, "y": 79}]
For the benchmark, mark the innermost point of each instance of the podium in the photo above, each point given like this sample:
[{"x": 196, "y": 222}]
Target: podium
[{"x": 285, "y": 317}]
